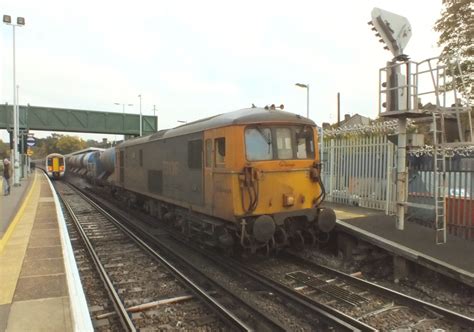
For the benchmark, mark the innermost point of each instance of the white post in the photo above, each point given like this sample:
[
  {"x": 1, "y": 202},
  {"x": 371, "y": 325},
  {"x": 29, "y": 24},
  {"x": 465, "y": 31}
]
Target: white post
[
  {"x": 307, "y": 101},
  {"x": 16, "y": 124},
  {"x": 141, "y": 129},
  {"x": 321, "y": 152},
  {"x": 401, "y": 172}
]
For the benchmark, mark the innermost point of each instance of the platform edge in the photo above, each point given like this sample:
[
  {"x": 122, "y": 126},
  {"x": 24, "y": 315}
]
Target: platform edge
[{"x": 77, "y": 300}]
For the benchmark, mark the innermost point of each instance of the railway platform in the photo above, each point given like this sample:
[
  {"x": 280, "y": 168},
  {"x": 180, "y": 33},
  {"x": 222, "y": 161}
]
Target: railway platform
[
  {"x": 11, "y": 203},
  {"x": 40, "y": 288},
  {"x": 416, "y": 243}
]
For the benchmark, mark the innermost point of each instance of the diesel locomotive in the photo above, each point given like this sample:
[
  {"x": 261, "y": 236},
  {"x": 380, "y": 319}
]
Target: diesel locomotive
[{"x": 249, "y": 178}]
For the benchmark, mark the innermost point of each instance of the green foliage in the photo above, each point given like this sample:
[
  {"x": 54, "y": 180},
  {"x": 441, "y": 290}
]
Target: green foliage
[
  {"x": 68, "y": 144},
  {"x": 456, "y": 28},
  {"x": 56, "y": 143},
  {"x": 4, "y": 150}
]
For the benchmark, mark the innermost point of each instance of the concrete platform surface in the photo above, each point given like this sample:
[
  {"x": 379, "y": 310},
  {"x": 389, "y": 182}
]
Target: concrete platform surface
[
  {"x": 10, "y": 204},
  {"x": 34, "y": 292},
  {"x": 416, "y": 242}
]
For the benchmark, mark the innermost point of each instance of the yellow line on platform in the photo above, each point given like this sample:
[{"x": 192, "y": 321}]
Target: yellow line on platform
[
  {"x": 19, "y": 214},
  {"x": 348, "y": 215}
]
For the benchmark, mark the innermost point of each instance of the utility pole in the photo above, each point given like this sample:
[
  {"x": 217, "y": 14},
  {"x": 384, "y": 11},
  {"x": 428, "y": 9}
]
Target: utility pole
[
  {"x": 338, "y": 109},
  {"x": 20, "y": 21},
  {"x": 141, "y": 128}
]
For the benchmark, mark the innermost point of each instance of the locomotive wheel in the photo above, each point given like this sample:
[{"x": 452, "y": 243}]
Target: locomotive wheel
[
  {"x": 281, "y": 237},
  {"x": 297, "y": 241},
  {"x": 309, "y": 237}
]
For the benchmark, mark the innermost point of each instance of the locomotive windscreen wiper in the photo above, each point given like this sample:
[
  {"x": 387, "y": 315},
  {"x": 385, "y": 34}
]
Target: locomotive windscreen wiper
[{"x": 267, "y": 139}]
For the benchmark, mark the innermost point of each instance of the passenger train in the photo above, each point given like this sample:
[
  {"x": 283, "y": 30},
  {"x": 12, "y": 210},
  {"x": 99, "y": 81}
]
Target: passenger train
[
  {"x": 249, "y": 178},
  {"x": 55, "y": 165}
]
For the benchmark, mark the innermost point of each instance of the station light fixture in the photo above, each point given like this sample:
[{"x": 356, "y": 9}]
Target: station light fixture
[
  {"x": 301, "y": 85},
  {"x": 20, "y": 20},
  {"x": 306, "y": 86},
  {"x": 7, "y": 19}
]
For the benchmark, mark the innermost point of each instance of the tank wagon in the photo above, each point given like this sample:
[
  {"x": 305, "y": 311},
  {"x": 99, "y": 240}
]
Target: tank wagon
[
  {"x": 249, "y": 178},
  {"x": 85, "y": 163}
]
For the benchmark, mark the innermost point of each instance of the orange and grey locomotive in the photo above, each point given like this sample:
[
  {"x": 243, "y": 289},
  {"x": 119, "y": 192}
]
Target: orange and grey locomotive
[{"x": 250, "y": 178}]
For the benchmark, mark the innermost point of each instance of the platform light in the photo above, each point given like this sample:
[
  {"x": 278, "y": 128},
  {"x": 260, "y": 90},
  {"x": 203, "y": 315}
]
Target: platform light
[
  {"x": 7, "y": 19},
  {"x": 306, "y": 86}
]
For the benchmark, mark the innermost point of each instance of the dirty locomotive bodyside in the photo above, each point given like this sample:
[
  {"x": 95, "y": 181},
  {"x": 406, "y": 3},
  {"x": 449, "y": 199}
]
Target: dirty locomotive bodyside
[{"x": 249, "y": 178}]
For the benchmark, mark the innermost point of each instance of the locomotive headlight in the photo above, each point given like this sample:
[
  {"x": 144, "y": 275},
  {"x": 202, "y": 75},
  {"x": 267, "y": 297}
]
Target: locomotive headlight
[{"x": 288, "y": 200}]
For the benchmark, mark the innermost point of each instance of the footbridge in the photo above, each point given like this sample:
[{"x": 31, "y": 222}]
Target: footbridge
[{"x": 74, "y": 120}]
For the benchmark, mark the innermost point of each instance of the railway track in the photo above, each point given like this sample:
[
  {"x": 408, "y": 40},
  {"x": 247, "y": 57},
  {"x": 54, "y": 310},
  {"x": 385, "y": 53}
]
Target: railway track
[
  {"x": 97, "y": 297},
  {"x": 339, "y": 300},
  {"x": 373, "y": 304},
  {"x": 311, "y": 314},
  {"x": 134, "y": 274}
]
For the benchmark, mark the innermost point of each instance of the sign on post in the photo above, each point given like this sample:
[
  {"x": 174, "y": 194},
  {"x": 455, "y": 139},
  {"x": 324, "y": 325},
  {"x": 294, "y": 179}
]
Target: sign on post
[{"x": 31, "y": 141}]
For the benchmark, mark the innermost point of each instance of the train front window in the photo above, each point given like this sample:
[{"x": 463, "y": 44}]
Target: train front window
[
  {"x": 279, "y": 143},
  {"x": 304, "y": 143},
  {"x": 258, "y": 142},
  {"x": 284, "y": 145}
]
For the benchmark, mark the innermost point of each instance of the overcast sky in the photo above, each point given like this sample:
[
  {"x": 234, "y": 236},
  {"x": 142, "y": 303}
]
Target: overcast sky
[{"x": 193, "y": 59}]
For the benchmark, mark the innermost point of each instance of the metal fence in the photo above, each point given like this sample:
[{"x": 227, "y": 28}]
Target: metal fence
[
  {"x": 359, "y": 170},
  {"x": 459, "y": 193}
]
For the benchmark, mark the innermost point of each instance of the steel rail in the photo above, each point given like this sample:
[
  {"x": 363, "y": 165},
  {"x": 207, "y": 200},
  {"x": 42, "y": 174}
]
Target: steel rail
[
  {"x": 271, "y": 322},
  {"x": 215, "y": 306},
  {"x": 119, "y": 306},
  {"x": 451, "y": 315},
  {"x": 330, "y": 315}
]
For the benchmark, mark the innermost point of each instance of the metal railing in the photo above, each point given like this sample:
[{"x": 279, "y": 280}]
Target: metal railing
[
  {"x": 359, "y": 170},
  {"x": 458, "y": 194}
]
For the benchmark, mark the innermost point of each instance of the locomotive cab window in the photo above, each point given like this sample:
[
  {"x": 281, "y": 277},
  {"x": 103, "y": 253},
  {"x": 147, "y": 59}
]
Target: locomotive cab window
[
  {"x": 304, "y": 143},
  {"x": 284, "y": 144},
  {"x": 219, "y": 151},
  {"x": 258, "y": 142},
  {"x": 279, "y": 143}
]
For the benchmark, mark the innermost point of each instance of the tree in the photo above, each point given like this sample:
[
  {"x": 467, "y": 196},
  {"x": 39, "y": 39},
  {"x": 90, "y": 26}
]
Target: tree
[
  {"x": 68, "y": 144},
  {"x": 4, "y": 150},
  {"x": 456, "y": 28}
]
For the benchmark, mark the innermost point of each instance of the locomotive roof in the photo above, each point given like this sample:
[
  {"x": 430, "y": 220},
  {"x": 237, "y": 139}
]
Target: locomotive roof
[{"x": 243, "y": 116}]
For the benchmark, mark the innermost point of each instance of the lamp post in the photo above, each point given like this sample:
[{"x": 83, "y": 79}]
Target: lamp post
[
  {"x": 141, "y": 129},
  {"x": 154, "y": 114},
  {"x": 20, "y": 21},
  {"x": 306, "y": 86},
  {"x": 123, "y": 106}
]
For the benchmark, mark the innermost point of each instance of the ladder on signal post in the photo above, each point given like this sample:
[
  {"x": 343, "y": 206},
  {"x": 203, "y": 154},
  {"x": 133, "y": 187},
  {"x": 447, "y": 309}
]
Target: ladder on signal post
[{"x": 439, "y": 172}]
